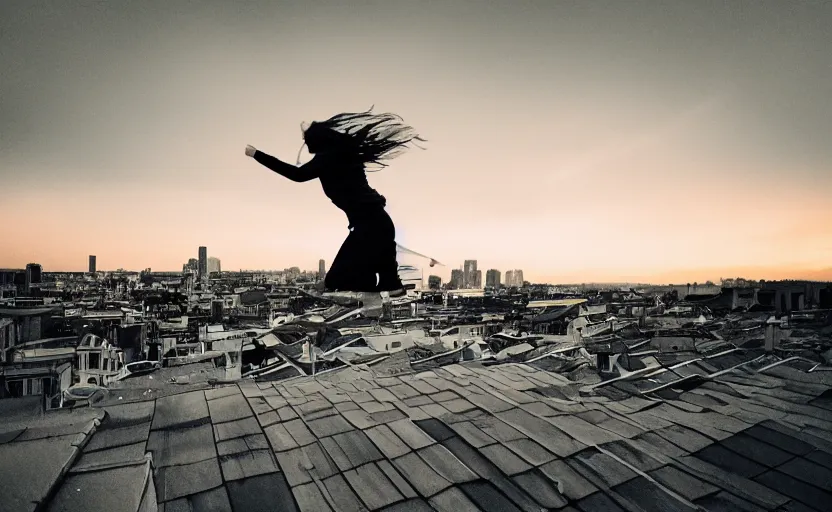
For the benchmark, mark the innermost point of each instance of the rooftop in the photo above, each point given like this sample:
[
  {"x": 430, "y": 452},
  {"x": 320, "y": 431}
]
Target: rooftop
[{"x": 749, "y": 434}]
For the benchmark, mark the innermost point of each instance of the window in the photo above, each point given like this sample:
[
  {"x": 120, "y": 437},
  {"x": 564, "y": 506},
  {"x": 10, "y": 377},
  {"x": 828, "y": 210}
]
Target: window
[
  {"x": 94, "y": 361},
  {"x": 359, "y": 343},
  {"x": 396, "y": 344}
]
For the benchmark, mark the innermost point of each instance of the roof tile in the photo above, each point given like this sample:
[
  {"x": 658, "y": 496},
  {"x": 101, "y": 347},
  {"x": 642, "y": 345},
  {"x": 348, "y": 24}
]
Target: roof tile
[
  {"x": 403, "y": 391},
  {"x": 598, "y": 466},
  {"x": 388, "y": 416},
  {"x": 796, "y": 489},
  {"x": 410, "y": 433},
  {"x": 214, "y": 500},
  {"x": 736, "y": 484},
  {"x": 472, "y": 434},
  {"x": 229, "y": 408},
  {"x": 541, "y": 489},
  {"x": 114, "y": 437},
  {"x": 121, "y": 454},
  {"x": 296, "y": 466},
  {"x": 651, "y": 497},
  {"x": 357, "y": 447},
  {"x": 279, "y": 438},
  {"x": 309, "y": 497},
  {"x": 417, "y": 401},
  {"x": 183, "y": 480},
  {"x": 124, "y": 415},
  {"x": 487, "y": 497},
  {"x": 182, "y": 409},
  {"x": 383, "y": 395},
  {"x": 340, "y": 493},
  {"x": 82, "y": 489},
  {"x": 220, "y": 392},
  {"x": 322, "y": 466},
  {"x": 730, "y": 461},
  {"x": 374, "y": 489},
  {"x": 542, "y": 431},
  {"x": 453, "y": 500},
  {"x": 297, "y": 429},
  {"x": 401, "y": 484},
  {"x": 387, "y": 441},
  {"x": 570, "y": 483},
  {"x": 688, "y": 486},
  {"x": 808, "y": 472},
  {"x": 234, "y": 429},
  {"x": 264, "y": 493},
  {"x": 360, "y": 419},
  {"x": 530, "y": 451},
  {"x": 505, "y": 459},
  {"x": 446, "y": 464},
  {"x": 427, "y": 481},
  {"x": 632, "y": 455},
  {"x": 247, "y": 464},
  {"x": 374, "y": 407},
  {"x": 175, "y": 447}
]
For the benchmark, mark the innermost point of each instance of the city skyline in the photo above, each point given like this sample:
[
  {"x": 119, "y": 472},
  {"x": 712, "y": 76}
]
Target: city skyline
[
  {"x": 605, "y": 141},
  {"x": 713, "y": 275}
]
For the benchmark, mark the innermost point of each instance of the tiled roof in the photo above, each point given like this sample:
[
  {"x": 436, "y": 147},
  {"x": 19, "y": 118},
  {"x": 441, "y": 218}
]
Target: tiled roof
[{"x": 462, "y": 437}]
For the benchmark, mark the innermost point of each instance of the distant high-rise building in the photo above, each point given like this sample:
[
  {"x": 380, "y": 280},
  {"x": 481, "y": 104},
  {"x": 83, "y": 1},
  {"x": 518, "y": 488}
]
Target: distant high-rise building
[
  {"x": 434, "y": 282},
  {"x": 477, "y": 279},
  {"x": 34, "y": 274},
  {"x": 518, "y": 277},
  {"x": 321, "y": 269},
  {"x": 492, "y": 278},
  {"x": 456, "y": 278},
  {"x": 469, "y": 274},
  {"x": 92, "y": 264},
  {"x": 192, "y": 265},
  {"x": 214, "y": 265},
  {"x": 514, "y": 278},
  {"x": 203, "y": 262}
]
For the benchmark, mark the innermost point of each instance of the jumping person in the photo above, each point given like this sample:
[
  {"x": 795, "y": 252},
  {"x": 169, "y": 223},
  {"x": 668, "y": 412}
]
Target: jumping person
[{"x": 343, "y": 146}]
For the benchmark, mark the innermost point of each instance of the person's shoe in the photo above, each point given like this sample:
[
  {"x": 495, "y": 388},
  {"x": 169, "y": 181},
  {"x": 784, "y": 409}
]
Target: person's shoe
[
  {"x": 343, "y": 298},
  {"x": 399, "y": 292}
]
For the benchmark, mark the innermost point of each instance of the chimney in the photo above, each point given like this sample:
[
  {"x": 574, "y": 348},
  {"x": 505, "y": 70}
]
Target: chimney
[
  {"x": 603, "y": 359},
  {"x": 772, "y": 334}
]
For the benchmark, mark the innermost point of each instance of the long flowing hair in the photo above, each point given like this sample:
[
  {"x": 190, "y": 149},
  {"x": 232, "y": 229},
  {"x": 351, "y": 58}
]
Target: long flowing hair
[{"x": 369, "y": 138}]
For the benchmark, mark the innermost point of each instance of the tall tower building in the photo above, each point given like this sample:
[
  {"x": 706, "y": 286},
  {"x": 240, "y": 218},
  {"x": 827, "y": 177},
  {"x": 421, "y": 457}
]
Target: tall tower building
[
  {"x": 514, "y": 278},
  {"x": 456, "y": 278},
  {"x": 434, "y": 282},
  {"x": 214, "y": 265},
  {"x": 492, "y": 278},
  {"x": 518, "y": 278},
  {"x": 321, "y": 269},
  {"x": 469, "y": 274},
  {"x": 193, "y": 264},
  {"x": 34, "y": 275},
  {"x": 203, "y": 262},
  {"x": 92, "y": 264}
]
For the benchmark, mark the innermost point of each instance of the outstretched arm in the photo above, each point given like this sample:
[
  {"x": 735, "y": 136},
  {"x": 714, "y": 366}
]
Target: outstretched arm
[{"x": 306, "y": 172}]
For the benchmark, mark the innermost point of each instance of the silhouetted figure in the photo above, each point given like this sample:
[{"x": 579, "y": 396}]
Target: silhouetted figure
[{"x": 344, "y": 145}]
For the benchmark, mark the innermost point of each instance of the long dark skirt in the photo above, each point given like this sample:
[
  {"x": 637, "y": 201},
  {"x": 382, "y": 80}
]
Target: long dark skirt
[{"x": 369, "y": 249}]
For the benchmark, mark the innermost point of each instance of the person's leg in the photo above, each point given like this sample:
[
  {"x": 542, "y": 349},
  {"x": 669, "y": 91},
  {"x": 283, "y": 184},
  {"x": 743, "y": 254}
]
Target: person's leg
[
  {"x": 384, "y": 252},
  {"x": 351, "y": 271}
]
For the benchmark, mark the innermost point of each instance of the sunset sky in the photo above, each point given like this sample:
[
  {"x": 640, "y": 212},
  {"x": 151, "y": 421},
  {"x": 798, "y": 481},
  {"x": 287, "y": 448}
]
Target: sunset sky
[{"x": 663, "y": 141}]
